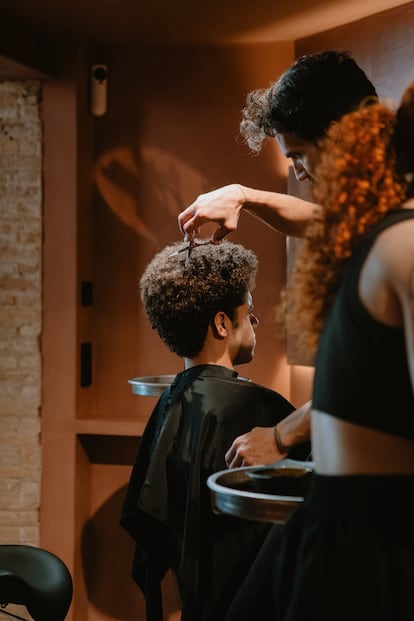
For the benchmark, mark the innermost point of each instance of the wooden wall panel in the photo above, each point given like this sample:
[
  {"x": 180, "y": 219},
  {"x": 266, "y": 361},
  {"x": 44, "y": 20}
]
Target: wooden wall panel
[
  {"x": 383, "y": 45},
  {"x": 171, "y": 132}
]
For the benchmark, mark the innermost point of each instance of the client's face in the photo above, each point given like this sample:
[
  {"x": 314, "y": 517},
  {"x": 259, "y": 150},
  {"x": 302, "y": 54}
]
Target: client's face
[{"x": 243, "y": 337}]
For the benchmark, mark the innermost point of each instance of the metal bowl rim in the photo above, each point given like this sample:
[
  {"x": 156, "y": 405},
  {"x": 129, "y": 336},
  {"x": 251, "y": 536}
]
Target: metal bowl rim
[
  {"x": 222, "y": 489},
  {"x": 152, "y": 380}
]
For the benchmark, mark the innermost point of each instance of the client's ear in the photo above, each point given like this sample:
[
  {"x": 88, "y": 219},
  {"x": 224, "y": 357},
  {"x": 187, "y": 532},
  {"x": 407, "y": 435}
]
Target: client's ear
[{"x": 219, "y": 325}]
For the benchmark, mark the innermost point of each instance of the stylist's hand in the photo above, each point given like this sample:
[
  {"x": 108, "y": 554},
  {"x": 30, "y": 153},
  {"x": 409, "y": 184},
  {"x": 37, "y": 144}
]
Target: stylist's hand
[
  {"x": 222, "y": 206},
  {"x": 255, "y": 448}
]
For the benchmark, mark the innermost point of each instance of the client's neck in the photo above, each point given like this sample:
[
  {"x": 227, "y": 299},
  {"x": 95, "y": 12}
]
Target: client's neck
[{"x": 204, "y": 357}]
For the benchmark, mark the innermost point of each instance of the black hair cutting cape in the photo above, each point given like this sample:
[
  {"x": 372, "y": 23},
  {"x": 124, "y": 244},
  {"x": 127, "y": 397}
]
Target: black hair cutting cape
[{"x": 167, "y": 509}]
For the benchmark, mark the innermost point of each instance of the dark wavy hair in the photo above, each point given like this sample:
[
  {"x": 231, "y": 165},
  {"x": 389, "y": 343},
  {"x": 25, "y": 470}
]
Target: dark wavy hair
[
  {"x": 359, "y": 180},
  {"x": 315, "y": 91},
  {"x": 181, "y": 300}
]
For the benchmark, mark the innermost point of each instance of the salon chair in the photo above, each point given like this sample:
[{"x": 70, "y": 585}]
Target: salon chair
[{"x": 34, "y": 578}]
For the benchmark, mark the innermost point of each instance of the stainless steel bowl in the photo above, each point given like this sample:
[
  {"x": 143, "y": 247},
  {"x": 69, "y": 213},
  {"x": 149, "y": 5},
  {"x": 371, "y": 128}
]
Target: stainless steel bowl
[
  {"x": 234, "y": 492},
  {"x": 150, "y": 385}
]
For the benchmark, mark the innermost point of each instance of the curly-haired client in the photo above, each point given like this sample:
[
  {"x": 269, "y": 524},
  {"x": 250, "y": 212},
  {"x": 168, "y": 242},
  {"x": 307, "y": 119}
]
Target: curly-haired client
[{"x": 198, "y": 298}]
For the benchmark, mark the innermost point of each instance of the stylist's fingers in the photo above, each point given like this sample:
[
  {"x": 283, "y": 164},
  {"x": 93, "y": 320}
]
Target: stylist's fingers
[
  {"x": 186, "y": 221},
  {"x": 220, "y": 233},
  {"x": 231, "y": 457},
  {"x": 191, "y": 232},
  {"x": 236, "y": 456}
]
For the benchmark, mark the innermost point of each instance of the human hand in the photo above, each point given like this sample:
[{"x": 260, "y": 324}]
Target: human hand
[
  {"x": 222, "y": 206},
  {"x": 255, "y": 448}
]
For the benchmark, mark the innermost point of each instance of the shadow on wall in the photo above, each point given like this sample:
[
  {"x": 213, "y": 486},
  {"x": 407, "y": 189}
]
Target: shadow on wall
[
  {"x": 120, "y": 175},
  {"x": 107, "y": 553}
]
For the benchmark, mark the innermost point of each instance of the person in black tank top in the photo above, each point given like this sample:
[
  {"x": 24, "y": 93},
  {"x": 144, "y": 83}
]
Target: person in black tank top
[{"x": 347, "y": 552}]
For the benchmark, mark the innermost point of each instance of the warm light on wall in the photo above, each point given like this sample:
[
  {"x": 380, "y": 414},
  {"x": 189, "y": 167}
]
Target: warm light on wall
[{"x": 301, "y": 382}]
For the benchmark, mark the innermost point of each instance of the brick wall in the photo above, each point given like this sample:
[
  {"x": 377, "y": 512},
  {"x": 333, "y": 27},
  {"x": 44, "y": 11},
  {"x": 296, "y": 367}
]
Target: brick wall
[{"x": 20, "y": 310}]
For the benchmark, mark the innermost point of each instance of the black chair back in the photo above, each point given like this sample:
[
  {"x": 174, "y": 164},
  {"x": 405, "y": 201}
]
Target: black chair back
[{"x": 37, "y": 579}]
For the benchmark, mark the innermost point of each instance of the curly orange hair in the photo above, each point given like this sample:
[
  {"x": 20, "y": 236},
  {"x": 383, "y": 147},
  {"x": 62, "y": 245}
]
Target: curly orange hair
[{"x": 357, "y": 184}]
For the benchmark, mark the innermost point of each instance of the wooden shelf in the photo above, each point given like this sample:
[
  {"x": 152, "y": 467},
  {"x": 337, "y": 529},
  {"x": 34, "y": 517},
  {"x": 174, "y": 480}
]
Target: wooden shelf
[{"x": 109, "y": 427}]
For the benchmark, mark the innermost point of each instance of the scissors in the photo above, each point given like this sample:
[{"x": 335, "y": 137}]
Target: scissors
[{"x": 191, "y": 244}]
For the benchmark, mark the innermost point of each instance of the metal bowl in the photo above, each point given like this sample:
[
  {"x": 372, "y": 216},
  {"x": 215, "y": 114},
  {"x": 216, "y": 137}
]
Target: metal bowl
[
  {"x": 150, "y": 385},
  {"x": 234, "y": 492},
  {"x": 284, "y": 481}
]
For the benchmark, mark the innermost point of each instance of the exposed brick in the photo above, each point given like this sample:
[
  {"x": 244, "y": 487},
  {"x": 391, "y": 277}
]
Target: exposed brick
[{"x": 20, "y": 311}]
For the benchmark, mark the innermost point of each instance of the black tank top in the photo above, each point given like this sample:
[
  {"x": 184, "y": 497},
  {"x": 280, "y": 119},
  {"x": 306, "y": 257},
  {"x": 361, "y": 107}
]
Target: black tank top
[{"x": 361, "y": 367}]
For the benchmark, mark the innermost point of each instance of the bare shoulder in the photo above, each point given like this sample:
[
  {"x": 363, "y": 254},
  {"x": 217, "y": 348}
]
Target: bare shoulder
[
  {"x": 387, "y": 277},
  {"x": 395, "y": 251}
]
